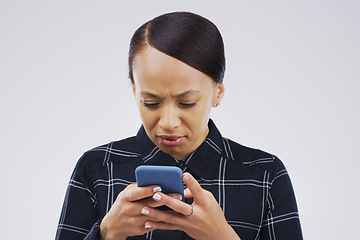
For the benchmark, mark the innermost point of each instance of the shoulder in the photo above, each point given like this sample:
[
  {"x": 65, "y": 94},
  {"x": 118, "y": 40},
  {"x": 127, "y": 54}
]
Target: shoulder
[
  {"x": 117, "y": 151},
  {"x": 93, "y": 164},
  {"x": 252, "y": 157}
]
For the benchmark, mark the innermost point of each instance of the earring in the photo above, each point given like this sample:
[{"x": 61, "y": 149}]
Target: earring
[{"x": 217, "y": 105}]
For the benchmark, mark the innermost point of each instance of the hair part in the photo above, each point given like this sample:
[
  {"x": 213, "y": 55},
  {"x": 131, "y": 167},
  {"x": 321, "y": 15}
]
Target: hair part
[{"x": 185, "y": 36}]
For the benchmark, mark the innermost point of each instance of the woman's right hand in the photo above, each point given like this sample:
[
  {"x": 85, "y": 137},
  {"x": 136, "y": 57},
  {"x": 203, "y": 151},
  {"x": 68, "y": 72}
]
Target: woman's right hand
[{"x": 125, "y": 218}]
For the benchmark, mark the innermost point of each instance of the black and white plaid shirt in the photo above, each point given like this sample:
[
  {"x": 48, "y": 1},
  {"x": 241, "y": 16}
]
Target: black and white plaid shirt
[{"x": 252, "y": 187}]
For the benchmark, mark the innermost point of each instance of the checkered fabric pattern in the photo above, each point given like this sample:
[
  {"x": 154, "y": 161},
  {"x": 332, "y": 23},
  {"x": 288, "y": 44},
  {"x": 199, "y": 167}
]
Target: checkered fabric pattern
[{"x": 251, "y": 186}]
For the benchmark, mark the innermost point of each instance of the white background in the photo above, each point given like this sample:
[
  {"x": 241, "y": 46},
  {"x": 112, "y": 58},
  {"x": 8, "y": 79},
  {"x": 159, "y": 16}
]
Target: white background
[{"x": 292, "y": 89}]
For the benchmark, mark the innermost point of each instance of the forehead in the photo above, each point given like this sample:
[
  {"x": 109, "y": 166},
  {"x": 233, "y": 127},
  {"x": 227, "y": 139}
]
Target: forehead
[{"x": 153, "y": 68}]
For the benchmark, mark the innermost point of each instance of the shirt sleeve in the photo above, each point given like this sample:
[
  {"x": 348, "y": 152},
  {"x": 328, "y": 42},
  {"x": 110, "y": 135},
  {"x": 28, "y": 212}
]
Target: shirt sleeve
[
  {"x": 281, "y": 221},
  {"x": 79, "y": 219}
]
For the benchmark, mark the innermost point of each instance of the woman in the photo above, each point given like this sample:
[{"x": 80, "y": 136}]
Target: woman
[{"x": 176, "y": 66}]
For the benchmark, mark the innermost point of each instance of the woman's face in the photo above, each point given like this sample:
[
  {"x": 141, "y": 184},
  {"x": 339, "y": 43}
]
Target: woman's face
[{"x": 174, "y": 100}]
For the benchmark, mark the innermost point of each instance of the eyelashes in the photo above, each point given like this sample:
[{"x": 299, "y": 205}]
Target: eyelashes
[
  {"x": 187, "y": 105},
  {"x": 156, "y": 105},
  {"x": 151, "y": 105}
]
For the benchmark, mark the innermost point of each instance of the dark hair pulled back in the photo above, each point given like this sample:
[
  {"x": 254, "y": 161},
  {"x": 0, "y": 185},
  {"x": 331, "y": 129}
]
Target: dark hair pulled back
[{"x": 185, "y": 36}]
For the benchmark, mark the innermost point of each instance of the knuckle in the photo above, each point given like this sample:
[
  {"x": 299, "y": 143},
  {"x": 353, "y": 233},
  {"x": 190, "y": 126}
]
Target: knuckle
[
  {"x": 131, "y": 193},
  {"x": 183, "y": 209},
  {"x": 165, "y": 200},
  {"x": 132, "y": 222},
  {"x": 208, "y": 194},
  {"x": 127, "y": 193},
  {"x": 120, "y": 196},
  {"x": 170, "y": 219},
  {"x": 126, "y": 210}
]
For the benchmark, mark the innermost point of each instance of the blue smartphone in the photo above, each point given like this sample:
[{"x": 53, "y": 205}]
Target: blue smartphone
[{"x": 169, "y": 178}]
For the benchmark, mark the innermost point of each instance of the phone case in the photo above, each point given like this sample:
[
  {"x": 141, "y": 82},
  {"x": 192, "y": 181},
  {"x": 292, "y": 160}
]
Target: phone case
[{"x": 169, "y": 178}]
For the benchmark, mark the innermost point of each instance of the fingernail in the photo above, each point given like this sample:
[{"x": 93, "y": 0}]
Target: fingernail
[
  {"x": 147, "y": 226},
  {"x": 145, "y": 211},
  {"x": 157, "y": 196},
  {"x": 157, "y": 189},
  {"x": 178, "y": 196},
  {"x": 186, "y": 177}
]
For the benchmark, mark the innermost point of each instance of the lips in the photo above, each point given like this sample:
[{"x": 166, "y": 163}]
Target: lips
[{"x": 170, "y": 140}]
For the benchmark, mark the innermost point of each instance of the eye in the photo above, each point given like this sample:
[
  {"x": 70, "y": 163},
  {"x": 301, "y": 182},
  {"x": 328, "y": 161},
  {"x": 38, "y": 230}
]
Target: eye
[
  {"x": 151, "y": 105},
  {"x": 188, "y": 105}
]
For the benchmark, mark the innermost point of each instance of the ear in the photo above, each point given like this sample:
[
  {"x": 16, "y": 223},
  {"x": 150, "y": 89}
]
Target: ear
[
  {"x": 133, "y": 89},
  {"x": 218, "y": 94}
]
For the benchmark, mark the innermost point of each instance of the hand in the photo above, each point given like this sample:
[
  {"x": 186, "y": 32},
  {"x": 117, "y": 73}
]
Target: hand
[
  {"x": 124, "y": 218},
  {"x": 203, "y": 219}
]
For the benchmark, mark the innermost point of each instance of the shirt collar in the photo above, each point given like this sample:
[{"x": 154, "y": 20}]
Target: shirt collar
[{"x": 198, "y": 163}]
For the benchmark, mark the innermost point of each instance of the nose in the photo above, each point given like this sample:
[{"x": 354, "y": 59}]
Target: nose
[{"x": 169, "y": 118}]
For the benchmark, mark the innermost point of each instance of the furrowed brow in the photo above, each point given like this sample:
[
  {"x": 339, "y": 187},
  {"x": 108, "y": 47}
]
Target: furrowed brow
[
  {"x": 187, "y": 93},
  {"x": 148, "y": 94}
]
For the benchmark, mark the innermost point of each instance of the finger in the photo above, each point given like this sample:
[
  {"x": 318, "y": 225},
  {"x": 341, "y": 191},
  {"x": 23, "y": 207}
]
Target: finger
[
  {"x": 137, "y": 193},
  {"x": 169, "y": 217},
  {"x": 153, "y": 225},
  {"x": 187, "y": 193},
  {"x": 194, "y": 187},
  {"x": 150, "y": 202},
  {"x": 136, "y": 226},
  {"x": 173, "y": 203}
]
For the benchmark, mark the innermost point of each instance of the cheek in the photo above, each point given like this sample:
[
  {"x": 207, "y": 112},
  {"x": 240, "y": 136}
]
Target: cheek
[
  {"x": 198, "y": 119},
  {"x": 206, "y": 109},
  {"x": 149, "y": 118}
]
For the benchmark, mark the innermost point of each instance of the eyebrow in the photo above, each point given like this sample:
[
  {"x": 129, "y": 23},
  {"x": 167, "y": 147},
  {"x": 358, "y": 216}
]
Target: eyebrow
[{"x": 150, "y": 94}]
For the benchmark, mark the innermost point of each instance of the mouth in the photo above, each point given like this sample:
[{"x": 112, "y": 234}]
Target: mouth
[{"x": 170, "y": 140}]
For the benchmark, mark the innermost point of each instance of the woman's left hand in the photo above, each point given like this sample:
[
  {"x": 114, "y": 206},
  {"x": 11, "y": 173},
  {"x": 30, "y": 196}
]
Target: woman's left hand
[{"x": 204, "y": 219}]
